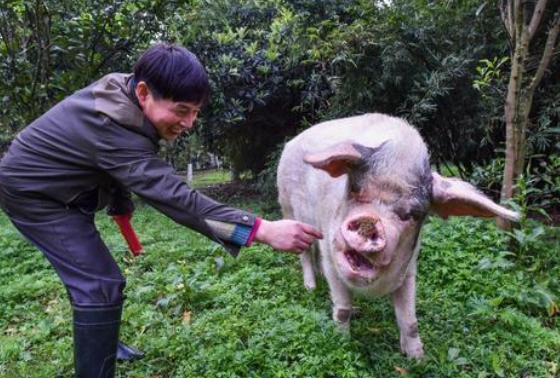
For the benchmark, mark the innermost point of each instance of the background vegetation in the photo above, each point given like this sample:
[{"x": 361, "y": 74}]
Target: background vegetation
[{"x": 278, "y": 66}]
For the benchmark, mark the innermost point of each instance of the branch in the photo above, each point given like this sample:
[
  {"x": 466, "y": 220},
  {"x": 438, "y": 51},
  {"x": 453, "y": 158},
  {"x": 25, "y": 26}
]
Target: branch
[
  {"x": 548, "y": 51},
  {"x": 517, "y": 21},
  {"x": 536, "y": 19},
  {"x": 36, "y": 34},
  {"x": 6, "y": 34},
  {"x": 97, "y": 39},
  {"x": 506, "y": 15}
]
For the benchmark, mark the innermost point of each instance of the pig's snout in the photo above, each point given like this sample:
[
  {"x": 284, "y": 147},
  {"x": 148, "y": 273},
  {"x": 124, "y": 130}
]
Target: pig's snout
[{"x": 364, "y": 233}]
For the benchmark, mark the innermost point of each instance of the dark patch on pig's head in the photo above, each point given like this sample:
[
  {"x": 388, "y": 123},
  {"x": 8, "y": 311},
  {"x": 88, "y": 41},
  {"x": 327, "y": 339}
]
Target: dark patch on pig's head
[
  {"x": 411, "y": 201},
  {"x": 366, "y": 167},
  {"x": 370, "y": 155},
  {"x": 421, "y": 196}
]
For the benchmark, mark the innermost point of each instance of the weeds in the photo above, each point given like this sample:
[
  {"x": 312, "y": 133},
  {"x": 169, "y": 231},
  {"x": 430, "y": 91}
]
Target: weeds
[{"x": 197, "y": 312}]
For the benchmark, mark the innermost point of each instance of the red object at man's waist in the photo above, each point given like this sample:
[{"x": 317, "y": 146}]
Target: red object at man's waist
[{"x": 123, "y": 221}]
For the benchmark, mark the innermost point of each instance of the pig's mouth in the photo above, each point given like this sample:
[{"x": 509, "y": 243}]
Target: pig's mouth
[
  {"x": 357, "y": 261},
  {"x": 357, "y": 265}
]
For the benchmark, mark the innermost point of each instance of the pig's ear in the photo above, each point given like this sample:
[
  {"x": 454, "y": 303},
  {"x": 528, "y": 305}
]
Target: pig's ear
[
  {"x": 336, "y": 160},
  {"x": 455, "y": 197}
]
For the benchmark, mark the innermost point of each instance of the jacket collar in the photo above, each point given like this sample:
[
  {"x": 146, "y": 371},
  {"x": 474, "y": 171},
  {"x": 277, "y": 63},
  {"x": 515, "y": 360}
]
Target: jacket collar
[{"x": 114, "y": 96}]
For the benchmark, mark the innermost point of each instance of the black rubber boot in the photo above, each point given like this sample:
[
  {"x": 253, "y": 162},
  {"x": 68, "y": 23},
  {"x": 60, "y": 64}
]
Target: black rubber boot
[
  {"x": 96, "y": 334},
  {"x": 128, "y": 352}
]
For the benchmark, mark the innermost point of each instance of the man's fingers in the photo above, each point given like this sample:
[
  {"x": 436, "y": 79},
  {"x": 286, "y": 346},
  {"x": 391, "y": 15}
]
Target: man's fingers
[
  {"x": 294, "y": 250},
  {"x": 289, "y": 235},
  {"x": 297, "y": 246},
  {"x": 301, "y": 248},
  {"x": 298, "y": 243},
  {"x": 307, "y": 239},
  {"x": 310, "y": 230}
]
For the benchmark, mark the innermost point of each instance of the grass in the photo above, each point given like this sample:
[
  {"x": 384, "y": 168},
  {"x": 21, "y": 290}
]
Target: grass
[
  {"x": 210, "y": 177},
  {"x": 197, "y": 312}
]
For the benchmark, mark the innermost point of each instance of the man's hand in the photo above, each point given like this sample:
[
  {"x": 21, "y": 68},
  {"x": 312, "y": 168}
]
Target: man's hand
[{"x": 287, "y": 235}]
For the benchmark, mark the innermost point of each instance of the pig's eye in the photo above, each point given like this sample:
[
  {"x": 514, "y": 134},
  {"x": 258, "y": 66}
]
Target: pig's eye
[{"x": 404, "y": 215}]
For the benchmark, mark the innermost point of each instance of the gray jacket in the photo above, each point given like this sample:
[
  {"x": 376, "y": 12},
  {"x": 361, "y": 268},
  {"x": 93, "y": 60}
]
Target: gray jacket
[{"x": 96, "y": 143}]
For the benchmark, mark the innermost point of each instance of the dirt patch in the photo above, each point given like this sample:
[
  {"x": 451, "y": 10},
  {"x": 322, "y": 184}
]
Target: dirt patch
[{"x": 231, "y": 192}]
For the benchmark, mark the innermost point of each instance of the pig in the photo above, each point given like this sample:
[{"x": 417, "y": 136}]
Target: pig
[{"x": 367, "y": 184}]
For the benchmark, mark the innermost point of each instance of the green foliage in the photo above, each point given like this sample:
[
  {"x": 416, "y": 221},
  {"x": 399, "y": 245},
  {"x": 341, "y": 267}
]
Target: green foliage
[
  {"x": 278, "y": 66},
  {"x": 419, "y": 63},
  {"x": 267, "y": 177},
  {"x": 50, "y": 49},
  {"x": 200, "y": 313},
  {"x": 489, "y": 176},
  {"x": 213, "y": 177},
  {"x": 489, "y": 71},
  {"x": 539, "y": 186},
  {"x": 267, "y": 65}
]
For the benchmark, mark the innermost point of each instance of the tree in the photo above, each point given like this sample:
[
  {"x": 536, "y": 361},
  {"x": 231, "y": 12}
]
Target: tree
[
  {"x": 417, "y": 59},
  {"x": 269, "y": 64},
  {"x": 533, "y": 48},
  {"x": 51, "y": 48}
]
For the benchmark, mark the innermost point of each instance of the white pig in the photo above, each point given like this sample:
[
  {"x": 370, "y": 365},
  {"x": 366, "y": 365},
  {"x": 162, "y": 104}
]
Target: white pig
[{"x": 366, "y": 183}]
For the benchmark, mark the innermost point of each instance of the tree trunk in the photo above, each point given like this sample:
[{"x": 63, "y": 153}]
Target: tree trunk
[
  {"x": 521, "y": 22},
  {"x": 516, "y": 124}
]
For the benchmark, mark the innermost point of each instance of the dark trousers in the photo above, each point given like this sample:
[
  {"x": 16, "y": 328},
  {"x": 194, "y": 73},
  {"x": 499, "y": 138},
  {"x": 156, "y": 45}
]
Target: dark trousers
[{"x": 70, "y": 241}]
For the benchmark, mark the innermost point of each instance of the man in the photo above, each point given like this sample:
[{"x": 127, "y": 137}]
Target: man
[{"x": 88, "y": 152}]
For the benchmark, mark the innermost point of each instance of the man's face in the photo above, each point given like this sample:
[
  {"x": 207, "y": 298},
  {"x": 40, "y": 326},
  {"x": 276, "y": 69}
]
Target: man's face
[{"x": 170, "y": 118}]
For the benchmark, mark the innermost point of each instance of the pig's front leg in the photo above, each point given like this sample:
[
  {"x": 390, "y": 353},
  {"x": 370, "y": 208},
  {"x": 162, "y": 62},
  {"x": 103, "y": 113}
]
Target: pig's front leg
[
  {"x": 306, "y": 260},
  {"x": 340, "y": 295},
  {"x": 404, "y": 301}
]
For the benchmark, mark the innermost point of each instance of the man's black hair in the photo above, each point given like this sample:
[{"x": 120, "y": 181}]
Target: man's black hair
[{"x": 173, "y": 72}]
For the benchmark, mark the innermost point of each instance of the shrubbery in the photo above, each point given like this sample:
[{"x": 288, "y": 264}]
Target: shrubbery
[
  {"x": 278, "y": 66},
  {"x": 485, "y": 310}
]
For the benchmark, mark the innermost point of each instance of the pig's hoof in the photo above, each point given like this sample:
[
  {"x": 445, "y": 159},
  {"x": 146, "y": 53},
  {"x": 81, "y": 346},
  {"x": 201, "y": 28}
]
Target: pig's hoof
[
  {"x": 343, "y": 328},
  {"x": 309, "y": 285},
  {"x": 341, "y": 317},
  {"x": 415, "y": 350}
]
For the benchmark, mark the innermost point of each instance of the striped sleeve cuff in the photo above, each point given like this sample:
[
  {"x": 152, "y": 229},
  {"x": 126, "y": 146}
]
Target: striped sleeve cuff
[
  {"x": 253, "y": 231},
  {"x": 233, "y": 232}
]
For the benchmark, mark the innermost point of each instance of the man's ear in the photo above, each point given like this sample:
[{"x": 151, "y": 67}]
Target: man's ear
[{"x": 142, "y": 91}]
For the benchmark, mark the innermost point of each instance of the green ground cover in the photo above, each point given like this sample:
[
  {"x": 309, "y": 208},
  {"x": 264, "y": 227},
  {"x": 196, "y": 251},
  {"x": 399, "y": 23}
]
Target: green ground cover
[
  {"x": 210, "y": 177},
  {"x": 196, "y": 312}
]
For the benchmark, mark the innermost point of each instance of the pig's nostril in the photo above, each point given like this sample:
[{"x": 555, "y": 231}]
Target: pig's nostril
[
  {"x": 365, "y": 227},
  {"x": 364, "y": 234},
  {"x": 354, "y": 226}
]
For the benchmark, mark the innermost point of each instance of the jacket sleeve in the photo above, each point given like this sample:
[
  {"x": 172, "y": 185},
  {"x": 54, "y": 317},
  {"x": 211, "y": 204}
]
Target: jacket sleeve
[{"x": 133, "y": 162}]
